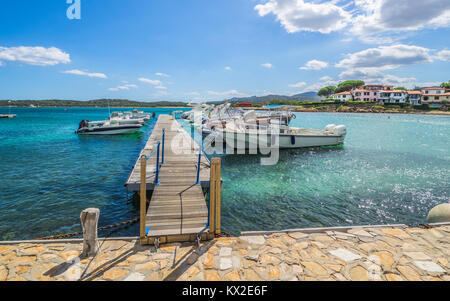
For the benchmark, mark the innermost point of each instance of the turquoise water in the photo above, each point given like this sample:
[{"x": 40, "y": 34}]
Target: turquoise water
[
  {"x": 43, "y": 164},
  {"x": 392, "y": 169}
]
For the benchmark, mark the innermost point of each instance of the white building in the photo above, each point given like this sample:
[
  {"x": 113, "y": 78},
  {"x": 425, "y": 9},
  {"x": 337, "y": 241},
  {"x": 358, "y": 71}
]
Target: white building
[
  {"x": 343, "y": 96},
  {"x": 393, "y": 97}
]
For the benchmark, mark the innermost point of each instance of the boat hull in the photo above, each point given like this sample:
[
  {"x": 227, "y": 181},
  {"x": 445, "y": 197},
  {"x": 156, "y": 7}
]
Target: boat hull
[
  {"x": 252, "y": 141},
  {"x": 109, "y": 131}
]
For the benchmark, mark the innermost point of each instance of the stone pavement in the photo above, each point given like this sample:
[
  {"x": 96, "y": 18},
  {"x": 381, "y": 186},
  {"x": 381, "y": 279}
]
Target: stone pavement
[{"x": 391, "y": 254}]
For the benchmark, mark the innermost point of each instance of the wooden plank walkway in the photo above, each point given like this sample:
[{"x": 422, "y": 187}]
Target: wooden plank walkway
[
  {"x": 183, "y": 151},
  {"x": 177, "y": 205}
]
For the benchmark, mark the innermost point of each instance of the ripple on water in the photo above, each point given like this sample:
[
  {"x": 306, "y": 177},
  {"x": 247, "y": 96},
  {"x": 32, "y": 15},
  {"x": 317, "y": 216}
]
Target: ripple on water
[{"x": 389, "y": 171}]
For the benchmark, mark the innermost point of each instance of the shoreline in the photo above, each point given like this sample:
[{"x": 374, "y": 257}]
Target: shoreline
[
  {"x": 355, "y": 111},
  {"x": 297, "y": 110}
]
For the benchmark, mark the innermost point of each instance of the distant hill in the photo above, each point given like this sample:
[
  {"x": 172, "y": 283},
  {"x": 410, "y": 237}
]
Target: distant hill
[
  {"x": 307, "y": 96},
  {"x": 91, "y": 103}
]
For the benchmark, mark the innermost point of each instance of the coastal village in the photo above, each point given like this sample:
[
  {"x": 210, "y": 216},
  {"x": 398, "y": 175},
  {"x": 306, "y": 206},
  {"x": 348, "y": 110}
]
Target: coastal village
[{"x": 434, "y": 97}]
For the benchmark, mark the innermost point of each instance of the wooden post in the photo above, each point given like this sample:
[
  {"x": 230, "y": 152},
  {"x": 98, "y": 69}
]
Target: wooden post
[
  {"x": 215, "y": 191},
  {"x": 212, "y": 198},
  {"x": 143, "y": 194},
  {"x": 89, "y": 222},
  {"x": 218, "y": 190}
]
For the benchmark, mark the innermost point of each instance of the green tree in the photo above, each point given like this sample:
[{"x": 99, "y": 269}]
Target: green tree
[
  {"x": 327, "y": 91},
  {"x": 400, "y": 88},
  {"x": 446, "y": 85},
  {"x": 349, "y": 85}
]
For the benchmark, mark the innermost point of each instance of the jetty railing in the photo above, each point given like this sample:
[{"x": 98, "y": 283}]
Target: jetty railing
[
  {"x": 143, "y": 186},
  {"x": 214, "y": 213}
]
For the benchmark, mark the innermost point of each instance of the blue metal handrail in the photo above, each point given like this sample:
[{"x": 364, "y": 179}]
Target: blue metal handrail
[
  {"x": 157, "y": 166},
  {"x": 163, "y": 140},
  {"x": 157, "y": 150},
  {"x": 198, "y": 168}
]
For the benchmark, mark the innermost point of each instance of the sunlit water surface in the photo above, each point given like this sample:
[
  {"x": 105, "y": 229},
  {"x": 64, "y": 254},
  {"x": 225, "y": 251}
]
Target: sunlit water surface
[{"x": 392, "y": 169}]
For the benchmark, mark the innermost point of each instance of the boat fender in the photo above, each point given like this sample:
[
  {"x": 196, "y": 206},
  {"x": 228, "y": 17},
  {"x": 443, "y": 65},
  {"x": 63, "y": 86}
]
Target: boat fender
[
  {"x": 439, "y": 214},
  {"x": 340, "y": 130},
  {"x": 293, "y": 140},
  {"x": 330, "y": 127}
]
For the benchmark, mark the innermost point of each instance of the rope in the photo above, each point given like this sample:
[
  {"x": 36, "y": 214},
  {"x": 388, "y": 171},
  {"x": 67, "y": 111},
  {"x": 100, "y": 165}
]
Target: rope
[{"x": 61, "y": 236}]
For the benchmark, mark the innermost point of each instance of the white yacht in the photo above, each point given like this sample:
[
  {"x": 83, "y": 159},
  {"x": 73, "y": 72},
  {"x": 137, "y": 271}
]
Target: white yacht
[{"x": 106, "y": 127}]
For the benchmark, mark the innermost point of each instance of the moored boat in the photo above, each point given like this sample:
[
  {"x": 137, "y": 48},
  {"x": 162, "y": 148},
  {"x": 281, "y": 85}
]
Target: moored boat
[
  {"x": 7, "y": 115},
  {"x": 107, "y": 127}
]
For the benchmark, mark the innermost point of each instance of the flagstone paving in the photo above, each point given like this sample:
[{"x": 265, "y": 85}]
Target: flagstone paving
[{"x": 388, "y": 254}]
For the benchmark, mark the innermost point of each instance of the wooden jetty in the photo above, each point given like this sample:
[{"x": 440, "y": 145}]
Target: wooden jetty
[{"x": 173, "y": 166}]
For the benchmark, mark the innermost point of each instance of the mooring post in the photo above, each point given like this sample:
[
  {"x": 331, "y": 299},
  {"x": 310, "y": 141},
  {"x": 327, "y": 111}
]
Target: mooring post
[
  {"x": 143, "y": 195},
  {"x": 89, "y": 222},
  {"x": 212, "y": 198},
  {"x": 218, "y": 190}
]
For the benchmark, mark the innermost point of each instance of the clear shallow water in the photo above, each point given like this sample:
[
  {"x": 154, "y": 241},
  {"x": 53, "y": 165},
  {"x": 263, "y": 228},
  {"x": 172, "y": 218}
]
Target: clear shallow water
[
  {"x": 389, "y": 171},
  {"x": 392, "y": 169},
  {"x": 43, "y": 162}
]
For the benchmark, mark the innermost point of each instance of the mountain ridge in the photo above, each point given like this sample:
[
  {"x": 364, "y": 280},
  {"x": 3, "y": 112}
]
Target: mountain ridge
[{"x": 306, "y": 96}]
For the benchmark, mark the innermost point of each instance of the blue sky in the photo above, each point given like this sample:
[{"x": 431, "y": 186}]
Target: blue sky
[{"x": 153, "y": 50}]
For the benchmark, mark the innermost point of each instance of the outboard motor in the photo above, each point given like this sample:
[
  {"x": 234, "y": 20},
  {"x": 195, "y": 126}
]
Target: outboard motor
[{"x": 83, "y": 124}]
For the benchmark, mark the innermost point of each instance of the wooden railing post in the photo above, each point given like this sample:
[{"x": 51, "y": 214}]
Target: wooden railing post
[
  {"x": 218, "y": 190},
  {"x": 212, "y": 198},
  {"x": 143, "y": 194},
  {"x": 215, "y": 192}
]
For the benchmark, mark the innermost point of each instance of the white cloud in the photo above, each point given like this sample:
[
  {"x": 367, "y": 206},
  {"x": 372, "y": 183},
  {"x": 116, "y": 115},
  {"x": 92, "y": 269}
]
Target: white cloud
[
  {"x": 444, "y": 55},
  {"x": 267, "y": 65},
  {"x": 228, "y": 68},
  {"x": 325, "y": 78},
  {"x": 162, "y": 74},
  {"x": 193, "y": 93},
  {"x": 298, "y": 85},
  {"x": 154, "y": 82},
  {"x": 314, "y": 65},
  {"x": 377, "y": 16},
  {"x": 373, "y": 21},
  {"x": 323, "y": 82},
  {"x": 298, "y": 15},
  {"x": 84, "y": 73},
  {"x": 372, "y": 76},
  {"x": 160, "y": 87},
  {"x": 38, "y": 56},
  {"x": 124, "y": 87},
  {"x": 227, "y": 93},
  {"x": 386, "y": 57}
]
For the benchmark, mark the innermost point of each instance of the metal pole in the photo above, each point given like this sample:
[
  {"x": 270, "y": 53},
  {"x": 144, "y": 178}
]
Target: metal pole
[
  {"x": 163, "y": 139},
  {"x": 157, "y": 165}
]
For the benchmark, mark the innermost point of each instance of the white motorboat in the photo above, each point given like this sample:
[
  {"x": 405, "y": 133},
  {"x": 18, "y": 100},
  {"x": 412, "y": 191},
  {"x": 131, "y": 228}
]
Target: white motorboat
[
  {"x": 7, "y": 115},
  {"x": 286, "y": 138},
  {"x": 249, "y": 133},
  {"x": 136, "y": 114},
  {"x": 123, "y": 118},
  {"x": 106, "y": 127}
]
